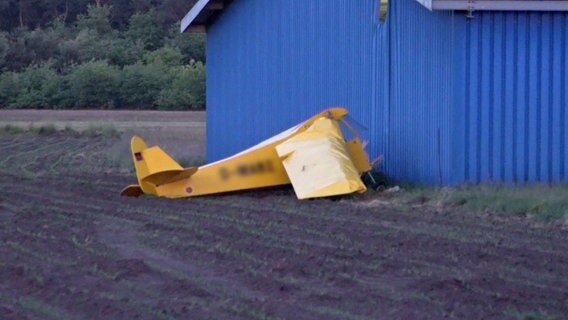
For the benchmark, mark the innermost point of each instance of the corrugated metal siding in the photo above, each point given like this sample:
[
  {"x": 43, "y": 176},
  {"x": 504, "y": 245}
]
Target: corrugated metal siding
[
  {"x": 271, "y": 64},
  {"x": 447, "y": 100},
  {"x": 421, "y": 93},
  {"x": 513, "y": 99}
]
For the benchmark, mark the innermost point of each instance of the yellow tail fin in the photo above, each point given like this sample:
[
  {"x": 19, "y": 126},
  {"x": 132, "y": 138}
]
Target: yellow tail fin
[{"x": 154, "y": 167}]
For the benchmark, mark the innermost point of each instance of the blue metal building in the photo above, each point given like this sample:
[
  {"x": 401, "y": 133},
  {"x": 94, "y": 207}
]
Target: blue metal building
[{"x": 453, "y": 93}]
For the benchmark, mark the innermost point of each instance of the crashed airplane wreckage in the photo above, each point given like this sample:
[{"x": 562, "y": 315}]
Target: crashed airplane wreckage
[{"x": 314, "y": 156}]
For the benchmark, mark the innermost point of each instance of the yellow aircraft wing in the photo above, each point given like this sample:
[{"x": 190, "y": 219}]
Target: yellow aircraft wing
[
  {"x": 318, "y": 163},
  {"x": 262, "y": 165}
]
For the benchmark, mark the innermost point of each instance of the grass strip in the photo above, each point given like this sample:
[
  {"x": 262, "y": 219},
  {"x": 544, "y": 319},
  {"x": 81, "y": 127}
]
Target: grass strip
[{"x": 543, "y": 202}]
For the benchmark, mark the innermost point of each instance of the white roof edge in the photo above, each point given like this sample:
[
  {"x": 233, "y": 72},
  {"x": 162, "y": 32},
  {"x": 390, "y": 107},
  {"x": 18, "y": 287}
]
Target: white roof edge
[
  {"x": 426, "y": 3},
  {"x": 192, "y": 14},
  {"x": 499, "y": 5}
]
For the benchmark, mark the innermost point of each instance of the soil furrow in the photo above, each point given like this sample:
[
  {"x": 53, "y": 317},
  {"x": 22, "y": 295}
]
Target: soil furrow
[{"x": 72, "y": 247}]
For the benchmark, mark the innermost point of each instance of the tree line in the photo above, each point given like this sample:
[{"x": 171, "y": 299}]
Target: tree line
[{"x": 111, "y": 54}]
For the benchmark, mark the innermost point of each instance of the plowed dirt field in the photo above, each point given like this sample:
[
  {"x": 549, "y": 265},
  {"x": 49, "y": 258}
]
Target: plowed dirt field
[{"x": 72, "y": 248}]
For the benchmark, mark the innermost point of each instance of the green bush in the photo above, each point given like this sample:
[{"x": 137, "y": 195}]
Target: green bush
[
  {"x": 97, "y": 18},
  {"x": 4, "y": 47},
  {"x": 30, "y": 47},
  {"x": 165, "y": 58},
  {"x": 69, "y": 54},
  {"x": 187, "y": 90},
  {"x": 94, "y": 84},
  {"x": 36, "y": 87},
  {"x": 112, "y": 48},
  {"x": 89, "y": 45},
  {"x": 9, "y": 88},
  {"x": 141, "y": 85},
  {"x": 95, "y": 59},
  {"x": 121, "y": 52},
  {"x": 148, "y": 29},
  {"x": 191, "y": 45}
]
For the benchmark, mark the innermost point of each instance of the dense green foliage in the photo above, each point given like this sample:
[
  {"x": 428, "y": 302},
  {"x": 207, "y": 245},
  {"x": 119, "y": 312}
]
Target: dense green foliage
[{"x": 99, "y": 54}]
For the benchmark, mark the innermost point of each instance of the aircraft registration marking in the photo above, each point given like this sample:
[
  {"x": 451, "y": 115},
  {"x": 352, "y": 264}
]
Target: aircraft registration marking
[{"x": 245, "y": 170}]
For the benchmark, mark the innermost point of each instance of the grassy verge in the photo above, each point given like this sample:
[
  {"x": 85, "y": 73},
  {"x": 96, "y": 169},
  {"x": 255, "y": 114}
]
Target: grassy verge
[
  {"x": 11, "y": 130},
  {"x": 50, "y": 129},
  {"x": 543, "y": 202},
  {"x": 105, "y": 131}
]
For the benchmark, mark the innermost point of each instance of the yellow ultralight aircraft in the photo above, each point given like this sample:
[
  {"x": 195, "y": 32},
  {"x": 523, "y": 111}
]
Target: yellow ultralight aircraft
[{"x": 313, "y": 156}]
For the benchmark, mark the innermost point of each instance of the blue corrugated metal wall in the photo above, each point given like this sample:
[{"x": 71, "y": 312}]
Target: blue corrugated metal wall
[
  {"x": 512, "y": 98},
  {"x": 420, "y": 94},
  {"x": 447, "y": 99},
  {"x": 271, "y": 64}
]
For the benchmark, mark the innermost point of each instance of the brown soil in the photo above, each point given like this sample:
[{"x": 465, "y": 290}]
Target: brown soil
[{"x": 71, "y": 247}]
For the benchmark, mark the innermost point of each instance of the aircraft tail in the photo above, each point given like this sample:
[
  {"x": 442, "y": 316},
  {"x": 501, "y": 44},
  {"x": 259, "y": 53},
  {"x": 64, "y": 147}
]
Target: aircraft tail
[{"x": 154, "y": 167}]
